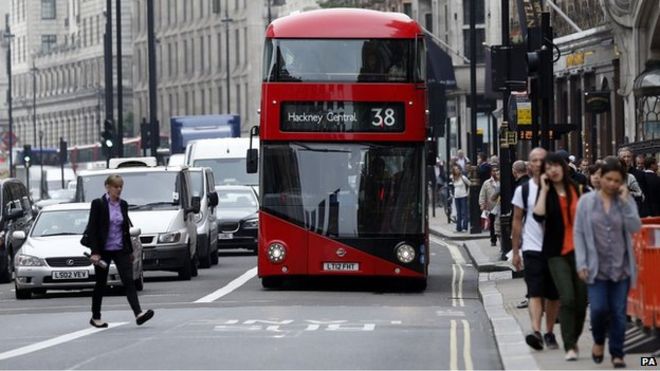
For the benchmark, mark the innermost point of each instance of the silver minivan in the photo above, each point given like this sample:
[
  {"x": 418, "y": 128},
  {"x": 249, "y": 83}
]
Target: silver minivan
[{"x": 160, "y": 203}]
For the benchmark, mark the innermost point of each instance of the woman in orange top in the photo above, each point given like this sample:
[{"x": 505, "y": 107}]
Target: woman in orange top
[{"x": 555, "y": 208}]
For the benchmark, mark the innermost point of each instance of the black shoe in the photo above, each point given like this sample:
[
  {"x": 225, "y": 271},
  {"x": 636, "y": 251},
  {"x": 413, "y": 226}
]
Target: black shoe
[
  {"x": 550, "y": 341},
  {"x": 535, "y": 340},
  {"x": 492, "y": 243},
  {"x": 523, "y": 304},
  {"x": 98, "y": 324},
  {"x": 618, "y": 363},
  {"x": 597, "y": 359},
  {"x": 144, "y": 317}
]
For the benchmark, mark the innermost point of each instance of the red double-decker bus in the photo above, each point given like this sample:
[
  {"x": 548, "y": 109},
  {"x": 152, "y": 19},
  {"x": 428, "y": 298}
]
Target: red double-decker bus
[{"x": 342, "y": 147}]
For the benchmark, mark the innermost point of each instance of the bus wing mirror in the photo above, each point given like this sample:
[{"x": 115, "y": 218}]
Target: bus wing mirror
[{"x": 252, "y": 163}]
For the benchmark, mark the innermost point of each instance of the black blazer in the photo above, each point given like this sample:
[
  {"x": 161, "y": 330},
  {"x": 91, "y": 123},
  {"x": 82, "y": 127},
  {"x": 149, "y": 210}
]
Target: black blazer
[
  {"x": 98, "y": 225},
  {"x": 553, "y": 236}
]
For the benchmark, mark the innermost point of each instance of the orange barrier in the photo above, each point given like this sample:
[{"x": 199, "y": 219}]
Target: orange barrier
[{"x": 644, "y": 299}]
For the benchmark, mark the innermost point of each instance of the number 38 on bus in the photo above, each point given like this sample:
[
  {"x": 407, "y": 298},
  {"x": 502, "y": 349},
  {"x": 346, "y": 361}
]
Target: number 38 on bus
[{"x": 342, "y": 144}]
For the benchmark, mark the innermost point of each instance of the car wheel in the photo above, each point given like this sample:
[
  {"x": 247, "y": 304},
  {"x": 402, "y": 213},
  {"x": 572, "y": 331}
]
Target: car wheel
[
  {"x": 215, "y": 259},
  {"x": 194, "y": 263},
  {"x": 23, "y": 294},
  {"x": 271, "y": 282},
  {"x": 185, "y": 273},
  {"x": 139, "y": 283},
  {"x": 205, "y": 261}
]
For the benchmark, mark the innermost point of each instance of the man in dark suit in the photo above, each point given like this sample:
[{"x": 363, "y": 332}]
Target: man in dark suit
[{"x": 652, "y": 201}]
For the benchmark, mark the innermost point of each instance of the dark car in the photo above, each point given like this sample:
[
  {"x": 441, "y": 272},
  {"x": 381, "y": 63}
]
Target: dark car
[
  {"x": 238, "y": 221},
  {"x": 16, "y": 214}
]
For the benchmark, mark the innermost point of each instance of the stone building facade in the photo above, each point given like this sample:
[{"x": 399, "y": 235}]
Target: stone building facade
[{"x": 58, "y": 47}]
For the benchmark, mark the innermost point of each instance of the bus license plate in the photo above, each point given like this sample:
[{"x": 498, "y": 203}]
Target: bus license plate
[
  {"x": 225, "y": 236},
  {"x": 70, "y": 275},
  {"x": 341, "y": 267}
]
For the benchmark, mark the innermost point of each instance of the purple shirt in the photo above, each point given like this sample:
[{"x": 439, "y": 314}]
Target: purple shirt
[{"x": 114, "y": 241}]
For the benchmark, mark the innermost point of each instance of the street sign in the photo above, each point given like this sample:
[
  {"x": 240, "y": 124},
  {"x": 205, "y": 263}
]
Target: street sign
[
  {"x": 5, "y": 139},
  {"x": 508, "y": 138},
  {"x": 524, "y": 113}
]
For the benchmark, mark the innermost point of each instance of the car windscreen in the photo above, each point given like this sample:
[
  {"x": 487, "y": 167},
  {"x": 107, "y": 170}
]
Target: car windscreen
[
  {"x": 141, "y": 190},
  {"x": 236, "y": 199},
  {"x": 60, "y": 223},
  {"x": 229, "y": 171}
]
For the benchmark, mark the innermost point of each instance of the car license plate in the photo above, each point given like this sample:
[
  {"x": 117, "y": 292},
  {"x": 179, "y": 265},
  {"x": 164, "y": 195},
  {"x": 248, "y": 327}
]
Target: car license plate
[
  {"x": 70, "y": 275},
  {"x": 225, "y": 236},
  {"x": 341, "y": 267}
]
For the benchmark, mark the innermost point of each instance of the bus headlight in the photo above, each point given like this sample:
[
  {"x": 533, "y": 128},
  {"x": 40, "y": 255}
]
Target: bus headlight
[
  {"x": 405, "y": 253},
  {"x": 276, "y": 252}
]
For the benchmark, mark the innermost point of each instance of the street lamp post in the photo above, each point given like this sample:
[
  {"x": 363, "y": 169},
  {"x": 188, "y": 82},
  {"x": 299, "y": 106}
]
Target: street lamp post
[
  {"x": 475, "y": 218},
  {"x": 7, "y": 35},
  {"x": 34, "y": 70},
  {"x": 41, "y": 164},
  {"x": 226, "y": 21}
]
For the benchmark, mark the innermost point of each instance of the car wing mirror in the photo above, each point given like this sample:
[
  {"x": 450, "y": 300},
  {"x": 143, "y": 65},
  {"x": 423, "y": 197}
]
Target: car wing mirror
[
  {"x": 213, "y": 199},
  {"x": 18, "y": 235},
  {"x": 135, "y": 231}
]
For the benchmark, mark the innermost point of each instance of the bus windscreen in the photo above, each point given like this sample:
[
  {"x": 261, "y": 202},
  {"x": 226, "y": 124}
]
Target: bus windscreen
[{"x": 338, "y": 60}]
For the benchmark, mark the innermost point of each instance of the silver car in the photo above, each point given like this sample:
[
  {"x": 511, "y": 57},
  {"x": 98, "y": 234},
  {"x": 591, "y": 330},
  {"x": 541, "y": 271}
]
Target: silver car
[{"x": 52, "y": 257}]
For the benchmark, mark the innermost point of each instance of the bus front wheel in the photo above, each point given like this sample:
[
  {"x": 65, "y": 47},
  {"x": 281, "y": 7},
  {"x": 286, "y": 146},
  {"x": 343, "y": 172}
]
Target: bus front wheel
[{"x": 271, "y": 282}]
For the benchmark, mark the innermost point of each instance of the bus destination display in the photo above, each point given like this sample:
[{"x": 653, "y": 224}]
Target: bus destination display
[{"x": 345, "y": 117}]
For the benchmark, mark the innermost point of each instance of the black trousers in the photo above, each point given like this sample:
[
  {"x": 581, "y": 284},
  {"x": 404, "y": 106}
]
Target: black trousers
[
  {"x": 125, "y": 268},
  {"x": 491, "y": 227}
]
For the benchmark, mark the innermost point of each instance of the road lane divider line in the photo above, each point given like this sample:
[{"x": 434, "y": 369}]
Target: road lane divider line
[
  {"x": 453, "y": 285},
  {"x": 453, "y": 250},
  {"x": 55, "y": 341},
  {"x": 453, "y": 346},
  {"x": 467, "y": 346},
  {"x": 230, "y": 287},
  {"x": 461, "y": 276}
]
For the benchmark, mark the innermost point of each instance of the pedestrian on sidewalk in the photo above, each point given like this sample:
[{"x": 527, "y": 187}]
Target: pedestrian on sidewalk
[
  {"x": 489, "y": 201},
  {"x": 527, "y": 235},
  {"x": 555, "y": 209},
  {"x": 461, "y": 191},
  {"x": 593, "y": 184},
  {"x": 604, "y": 256},
  {"x": 110, "y": 240}
]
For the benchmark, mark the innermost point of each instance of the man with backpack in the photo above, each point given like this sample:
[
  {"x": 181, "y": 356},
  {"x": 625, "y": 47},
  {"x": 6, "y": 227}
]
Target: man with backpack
[{"x": 527, "y": 234}]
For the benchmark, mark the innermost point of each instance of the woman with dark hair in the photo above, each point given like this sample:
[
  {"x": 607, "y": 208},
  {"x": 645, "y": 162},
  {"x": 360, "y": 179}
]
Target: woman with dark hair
[
  {"x": 555, "y": 208},
  {"x": 461, "y": 192},
  {"x": 593, "y": 181},
  {"x": 604, "y": 256}
]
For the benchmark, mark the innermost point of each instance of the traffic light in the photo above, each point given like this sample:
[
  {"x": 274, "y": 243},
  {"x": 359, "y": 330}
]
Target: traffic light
[
  {"x": 63, "y": 151},
  {"x": 108, "y": 138},
  {"x": 27, "y": 155}
]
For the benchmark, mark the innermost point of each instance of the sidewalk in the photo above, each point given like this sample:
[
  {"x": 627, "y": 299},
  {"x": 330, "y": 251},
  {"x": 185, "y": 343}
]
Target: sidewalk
[{"x": 500, "y": 293}]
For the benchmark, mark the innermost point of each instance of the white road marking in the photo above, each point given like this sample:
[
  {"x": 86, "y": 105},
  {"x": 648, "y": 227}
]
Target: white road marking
[
  {"x": 396, "y": 322},
  {"x": 467, "y": 347},
  {"x": 55, "y": 341},
  {"x": 231, "y": 286},
  {"x": 453, "y": 250},
  {"x": 453, "y": 285},
  {"x": 453, "y": 347},
  {"x": 460, "y": 285}
]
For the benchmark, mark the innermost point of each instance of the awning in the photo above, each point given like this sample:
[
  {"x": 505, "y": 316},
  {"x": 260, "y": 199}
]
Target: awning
[{"x": 439, "y": 67}]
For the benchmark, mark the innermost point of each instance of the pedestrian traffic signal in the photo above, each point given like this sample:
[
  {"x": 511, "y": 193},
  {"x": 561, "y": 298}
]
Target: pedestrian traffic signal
[
  {"x": 27, "y": 154},
  {"x": 108, "y": 138}
]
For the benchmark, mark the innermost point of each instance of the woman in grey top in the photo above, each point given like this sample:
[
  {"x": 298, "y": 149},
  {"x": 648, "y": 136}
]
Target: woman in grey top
[{"x": 604, "y": 256}]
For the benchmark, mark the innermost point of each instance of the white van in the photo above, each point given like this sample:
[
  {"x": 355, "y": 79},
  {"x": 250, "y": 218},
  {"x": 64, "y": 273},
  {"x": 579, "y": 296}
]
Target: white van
[
  {"x": 160, "y": 203},
  {"x": 226, "y": 157},
  {"x": 203, "y": 186}
]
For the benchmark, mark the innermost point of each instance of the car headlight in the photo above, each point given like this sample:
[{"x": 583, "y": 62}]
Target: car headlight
[
  {"x": 251, "y": 224},
  {"x": 198, "y": 217},
  {"x": 276, "y": 252},
  {"x": 169, "y": 237},
  {"x": 405, "y": 253},
  {"x": 28, "y": 261}
]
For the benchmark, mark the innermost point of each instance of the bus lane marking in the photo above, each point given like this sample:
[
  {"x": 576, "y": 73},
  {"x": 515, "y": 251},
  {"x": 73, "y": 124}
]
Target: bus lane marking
[
  {"x": 55, "y": 341},
  {"x": 229, "y": 288}
]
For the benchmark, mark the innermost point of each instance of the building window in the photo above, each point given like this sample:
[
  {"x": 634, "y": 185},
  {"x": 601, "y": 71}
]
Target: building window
[
  {"x": 187, "y": 104},
  {"x": 407, "y": 9},
  {"x": 203, "y": 100},
  {"x": 185, "y": 57},
  {"x": 480, "y": 11},
  {"x": 481, "y": 35},
  {"x": 48, "y": 42},
  {"x": 428, "y": 20},
  {"x": 192, "y": 56},
  {"x": 210, "y": 59},
  {"x": 169, "y": 60},
  {"x": 220, "y": 101},
  {"x": 237, "y": 52},
  {"x": 47, "y": 9},
  {"x": 202, "y": 58},
  {"x": 220, "y": 52},
  {"x": 238, "y": 100}
]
